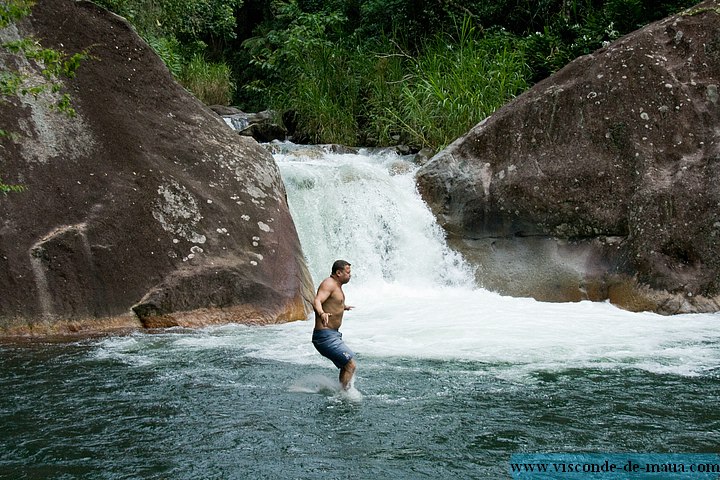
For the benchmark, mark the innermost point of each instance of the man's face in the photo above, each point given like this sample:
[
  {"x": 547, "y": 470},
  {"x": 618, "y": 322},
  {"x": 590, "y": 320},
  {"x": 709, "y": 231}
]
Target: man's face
[{"x": 344, "y": 275}]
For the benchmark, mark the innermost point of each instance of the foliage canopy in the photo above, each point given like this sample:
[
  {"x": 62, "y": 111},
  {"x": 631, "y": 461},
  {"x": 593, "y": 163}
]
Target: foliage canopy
[{"x": 374, "y": 72}]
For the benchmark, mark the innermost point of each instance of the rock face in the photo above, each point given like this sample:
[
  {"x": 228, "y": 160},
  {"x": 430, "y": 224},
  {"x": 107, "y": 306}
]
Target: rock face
[
  {"x": 261, "y": 125},
  {"x": 146, "y": 208},
  {"x": 599, "y": 182}
]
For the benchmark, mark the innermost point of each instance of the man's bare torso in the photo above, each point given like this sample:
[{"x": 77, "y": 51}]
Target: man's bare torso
[
  {"x": 334, "y": 305},
  {"x": 329, "y": 302}
]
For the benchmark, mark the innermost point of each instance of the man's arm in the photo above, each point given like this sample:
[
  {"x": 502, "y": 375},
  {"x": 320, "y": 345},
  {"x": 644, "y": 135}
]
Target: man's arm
[{"x": 323, "y": 293}]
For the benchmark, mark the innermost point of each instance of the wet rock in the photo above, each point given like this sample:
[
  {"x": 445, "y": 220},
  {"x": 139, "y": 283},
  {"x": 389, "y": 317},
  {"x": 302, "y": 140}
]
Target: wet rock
[
  {"x": 261, "y": 125},
  {"x": 145, "y": 209},
  {"x": 622, "y": 144},
  {"x": 423, "y": 156},
  {"x": 224, "y": 110}
]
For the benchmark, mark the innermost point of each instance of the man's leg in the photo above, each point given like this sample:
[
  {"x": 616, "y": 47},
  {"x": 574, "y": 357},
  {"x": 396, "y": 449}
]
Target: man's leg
[{"x": 346, "y": 374}]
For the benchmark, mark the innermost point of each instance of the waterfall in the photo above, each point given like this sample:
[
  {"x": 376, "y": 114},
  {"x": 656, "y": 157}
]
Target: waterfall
[{"x": 364, "y": 208}]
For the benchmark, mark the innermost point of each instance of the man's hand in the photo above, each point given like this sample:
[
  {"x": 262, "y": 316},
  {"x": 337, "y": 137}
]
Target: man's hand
[
  {"x": 325, "y": 319},
  {"x": 349, "y": 307}
]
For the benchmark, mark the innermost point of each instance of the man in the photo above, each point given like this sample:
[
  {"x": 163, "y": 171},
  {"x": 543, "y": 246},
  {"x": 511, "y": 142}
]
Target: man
[{"x": 329, "y": 305}]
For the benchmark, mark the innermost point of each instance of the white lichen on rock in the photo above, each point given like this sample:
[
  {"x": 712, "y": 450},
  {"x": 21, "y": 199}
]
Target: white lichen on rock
[{"x": 178, "y": 212}]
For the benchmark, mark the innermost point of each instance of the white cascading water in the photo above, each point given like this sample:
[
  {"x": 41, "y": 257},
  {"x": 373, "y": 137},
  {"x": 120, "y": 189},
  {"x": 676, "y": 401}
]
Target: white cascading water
[
  {"x": 365, "y": 208},
  {"x": 414, "y": 297}
]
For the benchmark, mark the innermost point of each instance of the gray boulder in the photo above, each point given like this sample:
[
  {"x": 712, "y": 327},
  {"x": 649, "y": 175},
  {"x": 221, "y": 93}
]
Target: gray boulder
[
  {"x": 599, "y": 182},
  {"x": 260, "y": 125},
  {"x": 144, "y": 210}
]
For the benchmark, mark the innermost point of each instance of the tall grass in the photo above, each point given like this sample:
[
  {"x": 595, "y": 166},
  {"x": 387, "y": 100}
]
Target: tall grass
[
  {"x": 383, "y": 69},
  {"x": 379, "y": 95},
  {"x": 324, "y": 95},
  {"x": 310, "y": 73},
  {"x": 455, "y": 83},
  {"x": 209, "y": 82}
]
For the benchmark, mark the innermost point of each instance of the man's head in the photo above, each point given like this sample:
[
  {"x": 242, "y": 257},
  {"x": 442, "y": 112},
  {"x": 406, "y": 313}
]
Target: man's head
[{"x": 341, "y": 271}]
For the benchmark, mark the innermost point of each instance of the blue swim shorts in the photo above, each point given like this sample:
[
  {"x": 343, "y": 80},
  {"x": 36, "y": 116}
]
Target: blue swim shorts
[{"x": 329, "y": 343}]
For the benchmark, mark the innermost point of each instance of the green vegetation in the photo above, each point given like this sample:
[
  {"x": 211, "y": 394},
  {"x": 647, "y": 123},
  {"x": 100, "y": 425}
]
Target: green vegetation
[
  {"x": 377, "y": 72},
  {"x": 304, "y": 68},
  {"x": 5, "y": 188},
  {"x": 55, "y": 64},
  {"x": 456, "y": 81},
  {"x": 210, "y": 82},
  {"x": 13, "y": 10}
]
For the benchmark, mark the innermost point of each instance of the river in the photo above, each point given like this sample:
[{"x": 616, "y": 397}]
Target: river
[{"x": 452, "y": 379}]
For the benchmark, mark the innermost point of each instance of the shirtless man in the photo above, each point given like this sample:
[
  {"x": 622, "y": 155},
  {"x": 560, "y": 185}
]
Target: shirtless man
[{"x": 329, "y": 305}]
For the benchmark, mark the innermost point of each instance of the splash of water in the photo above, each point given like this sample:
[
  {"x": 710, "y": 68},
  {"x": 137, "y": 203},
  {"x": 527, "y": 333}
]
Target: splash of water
[{"x": 321, "y": 384}]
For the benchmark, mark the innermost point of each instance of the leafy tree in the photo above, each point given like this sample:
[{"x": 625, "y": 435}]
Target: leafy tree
[
  {"x": 195, "y": 24},
  {"x": 455, "y": 82}
]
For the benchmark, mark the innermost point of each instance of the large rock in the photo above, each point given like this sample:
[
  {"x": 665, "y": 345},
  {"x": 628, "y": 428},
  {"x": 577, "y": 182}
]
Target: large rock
[
  {"x": 146, "y": 208},
  {"x": 601, "y": 181}
]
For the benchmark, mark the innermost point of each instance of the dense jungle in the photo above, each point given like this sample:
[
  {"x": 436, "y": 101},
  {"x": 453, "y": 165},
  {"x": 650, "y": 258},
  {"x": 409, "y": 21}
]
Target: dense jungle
[{"x": 376, "y": 72}]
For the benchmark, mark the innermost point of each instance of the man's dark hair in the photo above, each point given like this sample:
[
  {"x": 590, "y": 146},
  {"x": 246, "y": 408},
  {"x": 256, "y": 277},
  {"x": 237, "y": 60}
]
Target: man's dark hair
[{"x": 339, "y": 265}]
